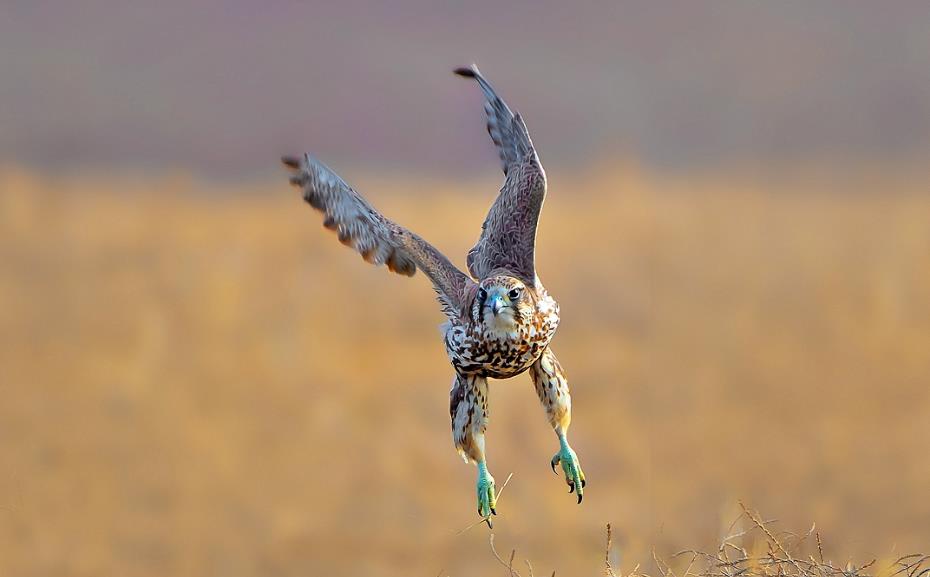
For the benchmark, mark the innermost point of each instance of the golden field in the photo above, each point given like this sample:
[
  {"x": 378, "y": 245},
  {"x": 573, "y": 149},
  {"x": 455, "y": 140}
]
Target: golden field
[{"x": 197, "y": 379}]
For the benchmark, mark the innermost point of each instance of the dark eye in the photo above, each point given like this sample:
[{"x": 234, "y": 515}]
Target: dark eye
[
  {"x": 514, "y": 294},
  {"x": 482, "y": 294}
]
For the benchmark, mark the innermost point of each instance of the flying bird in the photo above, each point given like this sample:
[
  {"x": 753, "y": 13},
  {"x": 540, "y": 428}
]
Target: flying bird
[{"x": 500, "y": 318}]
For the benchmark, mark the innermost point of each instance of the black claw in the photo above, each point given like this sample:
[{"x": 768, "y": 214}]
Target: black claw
[
  {"x": 583, "y": 483},
  {"x": 490, "y": 524},
  {"x": 579, "y": 498},
  {"x": 571, "y": 487},
  {"x": 493, "y": 511}
]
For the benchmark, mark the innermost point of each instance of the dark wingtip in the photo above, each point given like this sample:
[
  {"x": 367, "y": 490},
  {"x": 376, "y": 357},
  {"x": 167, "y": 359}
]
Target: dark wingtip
[
  {"x": 467, "y": 72},
  {"x": 290, "y": 161}
]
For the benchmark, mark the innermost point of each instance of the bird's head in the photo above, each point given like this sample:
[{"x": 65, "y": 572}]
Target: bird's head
[{"x": 501, "y": 303}]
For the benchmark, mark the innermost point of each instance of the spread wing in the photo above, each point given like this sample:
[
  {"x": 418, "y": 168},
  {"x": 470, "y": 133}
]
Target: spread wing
[
  {"x": 378, "y": 239},
  {"x": 508, "y": 236}
]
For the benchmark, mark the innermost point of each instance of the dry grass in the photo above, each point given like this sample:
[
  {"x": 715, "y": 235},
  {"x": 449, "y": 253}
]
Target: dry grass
[
  {"x": 197, "y": 379},
  {"x": 757, "y": 551},
  {"x": 786, "y": 554}
]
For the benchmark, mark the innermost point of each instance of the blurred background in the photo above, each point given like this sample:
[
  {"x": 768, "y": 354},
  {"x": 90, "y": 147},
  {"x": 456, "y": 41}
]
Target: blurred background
[{"x": 196, "y": 379}]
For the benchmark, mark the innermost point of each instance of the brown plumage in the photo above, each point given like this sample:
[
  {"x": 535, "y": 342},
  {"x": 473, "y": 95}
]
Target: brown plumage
[{"x": 500, "y": 318}]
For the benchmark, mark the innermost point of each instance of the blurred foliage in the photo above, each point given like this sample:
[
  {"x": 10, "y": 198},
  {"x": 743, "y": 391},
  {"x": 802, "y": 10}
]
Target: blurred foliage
[{"x": 197, "y": 379}]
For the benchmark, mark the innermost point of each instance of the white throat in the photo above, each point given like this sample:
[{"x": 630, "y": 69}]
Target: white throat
[{"x": 501, "y": 326}]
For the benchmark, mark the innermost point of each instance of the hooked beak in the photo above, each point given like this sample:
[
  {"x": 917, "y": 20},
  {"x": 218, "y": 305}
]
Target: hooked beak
[{"x": 497, "y": 303}]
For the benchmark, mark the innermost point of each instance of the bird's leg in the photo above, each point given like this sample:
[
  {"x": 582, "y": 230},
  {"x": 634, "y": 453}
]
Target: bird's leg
[
  {"x": 552, "y": 389},
  {"x": 574, "y": 476},
  {"x": 487, "y": 499},
  {"x": 468, "y": 408}
]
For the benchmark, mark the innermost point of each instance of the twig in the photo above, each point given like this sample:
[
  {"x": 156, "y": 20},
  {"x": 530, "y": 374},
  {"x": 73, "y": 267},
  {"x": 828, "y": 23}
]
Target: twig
[
  {"x": 771, "y": 537},
  {"x": 666, "y": 571},
  {"x": 608, "y": 570},
  {"x": 509, "y": 566}
]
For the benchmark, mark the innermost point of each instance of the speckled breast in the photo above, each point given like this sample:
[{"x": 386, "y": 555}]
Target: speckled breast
[{"x": 473, "y": 349}]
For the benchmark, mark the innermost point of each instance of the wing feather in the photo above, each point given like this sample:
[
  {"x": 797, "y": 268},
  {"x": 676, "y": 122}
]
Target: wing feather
[
  {"x": 379, "y": 240},
  {"x": 508, "y": 236}
]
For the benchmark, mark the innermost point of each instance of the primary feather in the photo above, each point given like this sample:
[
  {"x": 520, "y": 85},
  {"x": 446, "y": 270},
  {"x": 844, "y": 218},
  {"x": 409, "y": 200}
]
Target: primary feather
[
  {"x": 378, "y": 239},
  {"x": 508, "y": 236}
]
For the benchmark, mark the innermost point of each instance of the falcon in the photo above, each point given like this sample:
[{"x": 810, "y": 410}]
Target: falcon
[{"x": 500, "y": 318}]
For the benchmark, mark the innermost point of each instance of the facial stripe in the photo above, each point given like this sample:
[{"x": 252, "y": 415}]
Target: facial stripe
[{"x": 482, "y": 296}]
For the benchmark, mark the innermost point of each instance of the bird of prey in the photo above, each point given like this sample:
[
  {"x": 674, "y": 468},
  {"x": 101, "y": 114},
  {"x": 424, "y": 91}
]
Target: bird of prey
[{"x": 500, "y": 317}]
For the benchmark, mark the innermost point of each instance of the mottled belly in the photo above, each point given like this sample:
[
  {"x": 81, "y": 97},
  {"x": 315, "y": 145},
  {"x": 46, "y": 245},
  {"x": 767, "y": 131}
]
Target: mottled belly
[{"x": 495, "y": 359}]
